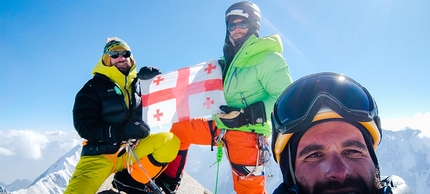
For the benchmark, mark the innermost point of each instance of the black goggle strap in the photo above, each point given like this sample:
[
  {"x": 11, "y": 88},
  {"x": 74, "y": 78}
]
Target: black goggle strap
[{"x": 290, "y": 165}]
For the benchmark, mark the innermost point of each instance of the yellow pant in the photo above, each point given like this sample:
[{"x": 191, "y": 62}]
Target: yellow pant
[{"x": 92, "y": 171}]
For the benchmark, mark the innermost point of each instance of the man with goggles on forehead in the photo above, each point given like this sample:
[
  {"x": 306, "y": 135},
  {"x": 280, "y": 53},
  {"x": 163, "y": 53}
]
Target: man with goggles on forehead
[
  {"x": 325, "y": 132},
  {"x": 108, "y": 114}
]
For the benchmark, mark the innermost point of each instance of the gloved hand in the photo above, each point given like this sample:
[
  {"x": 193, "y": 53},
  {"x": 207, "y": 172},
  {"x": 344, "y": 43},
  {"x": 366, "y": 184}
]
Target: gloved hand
[
  {"x": 236, "y": 117},
  {"x": 135, "y": 129},
  {"x": 146, "y": 73}
]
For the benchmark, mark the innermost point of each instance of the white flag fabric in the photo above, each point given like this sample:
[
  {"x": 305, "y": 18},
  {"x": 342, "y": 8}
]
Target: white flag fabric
[{"x": 184, "y": 94}]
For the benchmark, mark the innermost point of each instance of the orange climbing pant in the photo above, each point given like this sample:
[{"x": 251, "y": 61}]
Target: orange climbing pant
[{"x": 242, "y": 152}]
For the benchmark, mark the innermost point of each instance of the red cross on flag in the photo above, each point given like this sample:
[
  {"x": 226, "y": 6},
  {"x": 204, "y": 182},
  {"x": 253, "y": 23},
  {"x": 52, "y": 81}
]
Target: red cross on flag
[{"x": 187, "y": 93}]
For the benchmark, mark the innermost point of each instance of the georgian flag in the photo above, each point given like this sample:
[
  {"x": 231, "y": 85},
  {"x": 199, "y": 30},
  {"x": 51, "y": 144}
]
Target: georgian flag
[{"x": 184, "y": 94}]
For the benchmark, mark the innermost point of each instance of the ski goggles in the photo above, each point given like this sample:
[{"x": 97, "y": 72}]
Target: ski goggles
[
  {"x": 116, "y": 54},
  {"x": 242, "y": 25},
  {"x": 298, "y": 104}
]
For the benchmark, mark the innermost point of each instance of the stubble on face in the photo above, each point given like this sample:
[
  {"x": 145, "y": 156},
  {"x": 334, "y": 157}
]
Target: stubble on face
[
  {"x": 237, "y": 34},
  {"x": 354, "y": 185},
  {"x": 123, "y": 65}
]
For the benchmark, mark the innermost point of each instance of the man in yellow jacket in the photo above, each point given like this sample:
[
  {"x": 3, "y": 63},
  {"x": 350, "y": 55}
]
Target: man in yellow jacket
[{"x": 108, "y": 114}]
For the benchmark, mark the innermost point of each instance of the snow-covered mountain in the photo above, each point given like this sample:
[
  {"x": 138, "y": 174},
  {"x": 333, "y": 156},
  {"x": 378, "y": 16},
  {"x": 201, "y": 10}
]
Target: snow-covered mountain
[
  {"x": 16, "y": 185},
  {"x": 404, "y": 153},
  {"x": 3, "y": 190},
  {"x": 55, "y": 179}
]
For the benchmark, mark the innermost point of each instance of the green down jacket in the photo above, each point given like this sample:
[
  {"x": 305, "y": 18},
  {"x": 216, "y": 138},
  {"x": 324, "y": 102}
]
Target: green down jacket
[{"x": 258, "y": 72}]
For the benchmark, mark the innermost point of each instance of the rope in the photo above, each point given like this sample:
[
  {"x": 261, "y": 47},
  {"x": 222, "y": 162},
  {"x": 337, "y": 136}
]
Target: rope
[
  {"x": 218, "y": 160},
  {"x": 218, "y": 155}
]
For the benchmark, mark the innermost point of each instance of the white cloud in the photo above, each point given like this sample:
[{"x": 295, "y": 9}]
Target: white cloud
[
  {"x": 25, "y": 143},
  {"x": 5, "y": 151},
  {"x": 30, "y": 144},
  {"x": 419, "y": 121},
  {"x": 26, "y": 154},
  {"x": 66, "y": 140}
]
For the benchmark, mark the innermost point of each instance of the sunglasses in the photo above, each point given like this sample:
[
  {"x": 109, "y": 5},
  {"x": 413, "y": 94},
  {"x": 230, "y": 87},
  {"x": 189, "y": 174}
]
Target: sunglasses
[
  {"x": 242, "y": 25},
  {"x": 116, "y": 54},
  {"x": 300, "y": 102}
]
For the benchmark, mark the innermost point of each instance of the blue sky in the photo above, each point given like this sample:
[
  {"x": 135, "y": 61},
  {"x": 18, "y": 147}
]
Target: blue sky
[{"x": 48, "y": 48}]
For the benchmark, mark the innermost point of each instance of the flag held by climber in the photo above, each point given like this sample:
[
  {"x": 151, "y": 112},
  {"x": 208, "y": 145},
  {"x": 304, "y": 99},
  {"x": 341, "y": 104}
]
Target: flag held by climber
[{"x": 189, "y": 92}]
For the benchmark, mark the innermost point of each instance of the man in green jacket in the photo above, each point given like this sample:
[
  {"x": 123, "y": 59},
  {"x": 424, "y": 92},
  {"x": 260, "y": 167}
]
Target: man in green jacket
[{"x": 254, "y": 76}]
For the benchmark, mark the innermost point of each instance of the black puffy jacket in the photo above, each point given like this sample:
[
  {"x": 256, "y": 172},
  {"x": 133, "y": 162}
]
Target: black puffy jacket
[{"x": 100, "y": 112}]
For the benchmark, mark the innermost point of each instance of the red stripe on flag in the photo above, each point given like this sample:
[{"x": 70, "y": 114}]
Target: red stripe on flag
[{"x": 181, "y": 92}]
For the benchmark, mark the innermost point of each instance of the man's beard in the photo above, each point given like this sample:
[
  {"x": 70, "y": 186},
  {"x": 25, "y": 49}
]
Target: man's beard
[
  {"x": 238, "y": 43},
  {"x": 124, "y": 68},
  {"x": 352, "y": 182}
]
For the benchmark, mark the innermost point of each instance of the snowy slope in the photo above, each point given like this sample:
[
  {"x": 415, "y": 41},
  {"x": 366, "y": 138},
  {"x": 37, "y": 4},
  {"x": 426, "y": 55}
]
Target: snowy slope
[
  {"x": 406, "y": 153},
  {"x": 3, "y": 190},
  {"x": 16, "y": 185},
  {"x": 55, "y": 179}
]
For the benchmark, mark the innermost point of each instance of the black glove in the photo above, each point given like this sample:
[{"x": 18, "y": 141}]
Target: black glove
[
  {"x": 135, "y": 129},
  {"x": 236, "y": 117},
  {"x": 146, "y": 73}
]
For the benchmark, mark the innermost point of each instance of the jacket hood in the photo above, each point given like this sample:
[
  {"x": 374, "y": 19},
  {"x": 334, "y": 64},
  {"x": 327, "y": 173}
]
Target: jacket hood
[
  {"x": 114, "y": 74},
  {"x": 254, "y": 46}
]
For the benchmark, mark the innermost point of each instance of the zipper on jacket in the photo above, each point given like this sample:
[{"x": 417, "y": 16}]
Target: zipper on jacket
[
  {"x": 128, "y": 93},
  {"x": 232, "y": 66},
  {"x": 243, "y": 99},
  {"x": 231, "y": 78}
]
